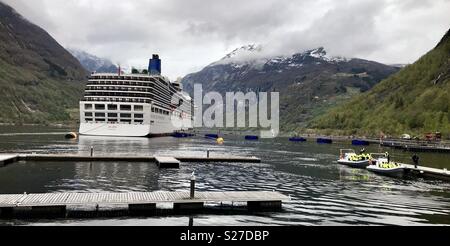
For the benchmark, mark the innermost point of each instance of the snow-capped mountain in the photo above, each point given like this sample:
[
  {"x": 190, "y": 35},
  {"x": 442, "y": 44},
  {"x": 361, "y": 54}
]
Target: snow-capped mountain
[
  {"x": 254, "y": 55},
  {"x": 93, "y": 63},
  {"x": 244, "y": 54},
  {"x": 308, "y": 81}
]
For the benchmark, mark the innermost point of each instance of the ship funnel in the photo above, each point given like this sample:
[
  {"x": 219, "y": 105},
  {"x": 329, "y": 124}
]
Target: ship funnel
[{"x": 154, "y": 66}]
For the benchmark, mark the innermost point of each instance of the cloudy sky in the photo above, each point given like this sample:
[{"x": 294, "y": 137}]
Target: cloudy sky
[{"x": 190, "y": 34}]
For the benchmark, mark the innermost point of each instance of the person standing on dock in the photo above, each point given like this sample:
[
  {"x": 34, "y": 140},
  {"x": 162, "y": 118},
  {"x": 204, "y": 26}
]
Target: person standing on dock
[{"x": 415, "y": 159}]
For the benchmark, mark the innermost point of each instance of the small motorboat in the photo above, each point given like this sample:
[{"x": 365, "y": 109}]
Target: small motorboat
[
  {"x": 350, "y": 158},
  {"x": 212, "y": 136},
  {"x": 360, "y": 142},
  {"x": 297, "y": 139},
  {"x": 182, "y": 135},
  {"x": 324, "y": 141},
  {"x": 251, "y": 137},
  {"x": 383, "y": 167}
]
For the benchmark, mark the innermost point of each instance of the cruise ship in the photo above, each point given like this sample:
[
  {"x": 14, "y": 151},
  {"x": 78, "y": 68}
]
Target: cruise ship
[{"x": 134, "y": 105}]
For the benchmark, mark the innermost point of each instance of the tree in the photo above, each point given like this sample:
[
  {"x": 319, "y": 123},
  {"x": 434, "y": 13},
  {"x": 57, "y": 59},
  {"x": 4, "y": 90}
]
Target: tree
[{"x": 134, "y": 71}]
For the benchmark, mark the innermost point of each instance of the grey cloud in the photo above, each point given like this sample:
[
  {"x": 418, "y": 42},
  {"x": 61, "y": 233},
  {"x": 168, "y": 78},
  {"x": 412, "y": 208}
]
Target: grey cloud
[
  {"x": 190, "y": 34},
  {"x": 239, "y": 20},
  {"x": 346, "y": 29},
  {"x": 350, "y": 33},
  {"x": 409, "y": 5}
]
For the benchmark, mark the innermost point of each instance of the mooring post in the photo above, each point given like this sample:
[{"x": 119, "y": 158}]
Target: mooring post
[
  {"x": 92, "y": 151},
  {"x": 193, "y": 185}
]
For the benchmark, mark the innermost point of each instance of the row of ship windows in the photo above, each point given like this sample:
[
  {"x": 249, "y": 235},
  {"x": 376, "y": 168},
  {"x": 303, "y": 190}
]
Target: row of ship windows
[
  {"x": 111, "y": 88},
  {"x": 118, "y": 83},
  {"x": 113, "y": 107},
  {"x": 123, "y": 108},
  {"x": 127, "y": 83},
  {"x": 162, "y": 99},
  {"x": 106, "y": 99},
  {"x": 114, "y": 120},
  {"x": 116, "y": 94},
  {"x": 123, "y": 78},
  {"x": 160, "y": 111},
  {"x": 114, "y": 115}
]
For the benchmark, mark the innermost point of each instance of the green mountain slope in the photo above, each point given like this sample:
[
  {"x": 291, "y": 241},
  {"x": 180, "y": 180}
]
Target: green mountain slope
[
  {"x": 414, "y": 100},
  {"x": 40, "y": 81}
]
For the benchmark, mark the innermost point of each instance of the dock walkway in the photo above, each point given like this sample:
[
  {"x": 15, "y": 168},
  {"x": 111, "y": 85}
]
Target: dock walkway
[
  {"x": 163, "y": 162},
  {"x": 56, "y": 203},
  {"x": 428, "y": 171},
  {"x": 8, "y": 158},
  {"x": 417, "y": 146}
]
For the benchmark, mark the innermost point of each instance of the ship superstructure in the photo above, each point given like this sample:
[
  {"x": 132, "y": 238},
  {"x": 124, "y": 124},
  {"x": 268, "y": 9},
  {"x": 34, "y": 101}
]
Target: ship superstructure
[{"x": 135, "y": 104}]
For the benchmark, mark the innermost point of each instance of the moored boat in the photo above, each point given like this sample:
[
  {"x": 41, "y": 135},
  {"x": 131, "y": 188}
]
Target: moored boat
[
  {"x": 251, "y": 137},
  {"x": 182, "y": 135},
  {"x": 384, "y": 167},
  {"x": 360, "y": 142},
  {"x": 389, "y": 169},
  {"x": 212, "y": 136},
  {"x": 324, "y": 141},
  {"x": 349, "y": 157},
  {"x": 297, "y": 139}
]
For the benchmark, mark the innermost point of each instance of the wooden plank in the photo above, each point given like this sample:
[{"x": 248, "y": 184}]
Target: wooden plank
[
  {"x": 55, "y": 199},
  {"x": 166, "y": 159},
  {"x": 9, "y": 200},
  {"x": 61, "y": 157},
  {"x": 220, "y": 159}
]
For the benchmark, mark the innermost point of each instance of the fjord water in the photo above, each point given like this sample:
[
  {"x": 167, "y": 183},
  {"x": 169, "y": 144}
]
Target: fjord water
[{"x": 322, "y": 192}]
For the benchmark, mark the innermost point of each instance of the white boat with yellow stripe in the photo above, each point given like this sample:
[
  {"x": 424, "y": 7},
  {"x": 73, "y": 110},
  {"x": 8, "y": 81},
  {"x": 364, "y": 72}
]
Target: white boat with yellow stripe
[
  {"x": 384, "y": 166},
  {"x": 350, "y": 158}
]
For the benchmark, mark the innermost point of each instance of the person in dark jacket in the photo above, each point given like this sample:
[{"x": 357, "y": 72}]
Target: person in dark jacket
[
  {"x": 415, "y": 159},
  {"x": 387, "y": 157}
]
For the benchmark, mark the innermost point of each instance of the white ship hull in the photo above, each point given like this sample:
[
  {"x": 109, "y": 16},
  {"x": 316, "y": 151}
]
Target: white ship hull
[
  {"x": 148, "y": 123},
  {"x": 125, "y": 130}
]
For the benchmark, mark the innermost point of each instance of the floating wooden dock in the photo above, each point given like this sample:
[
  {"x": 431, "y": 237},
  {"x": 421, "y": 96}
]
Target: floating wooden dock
[
  {"x": 7, "y": 159},
  {"x": 167, "y": 162},
  {"x": 441, "y": 149},
  {"x": 427, "y": 172},
  {"x": 163, "y": 162},
  {"x": 417, "y": 146},
  {"x": 55, "y": 204}
]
